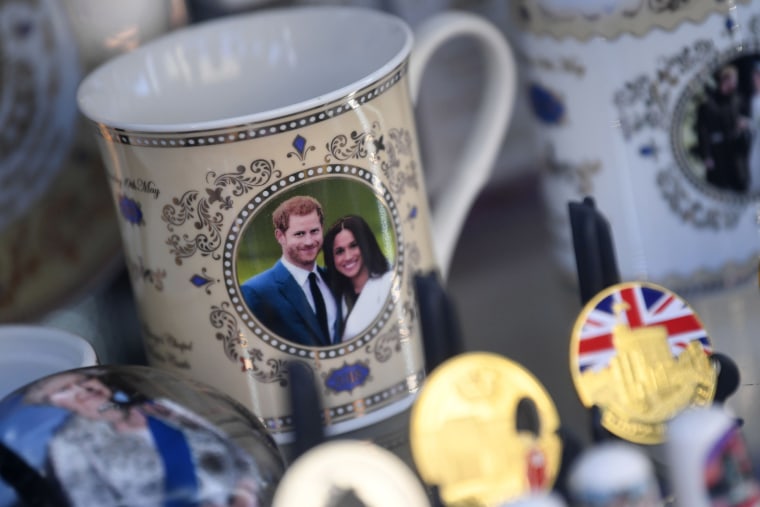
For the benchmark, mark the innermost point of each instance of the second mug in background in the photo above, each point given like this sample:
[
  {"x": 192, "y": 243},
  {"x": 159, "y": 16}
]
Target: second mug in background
[
  {"x": 652, "y": 109},
  {"x": 243, "y": 153}
]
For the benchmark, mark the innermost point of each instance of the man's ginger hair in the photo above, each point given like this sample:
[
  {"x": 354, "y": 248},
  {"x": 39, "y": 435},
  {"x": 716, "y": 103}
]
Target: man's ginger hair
[{"x": 299, "y": 205}]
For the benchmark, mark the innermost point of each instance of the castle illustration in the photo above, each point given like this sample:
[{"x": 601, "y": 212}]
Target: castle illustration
[{"x": 644, "y": 377}]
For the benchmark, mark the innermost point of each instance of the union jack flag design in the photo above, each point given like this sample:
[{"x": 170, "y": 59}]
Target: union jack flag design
[{"x": 637, "y": 305}]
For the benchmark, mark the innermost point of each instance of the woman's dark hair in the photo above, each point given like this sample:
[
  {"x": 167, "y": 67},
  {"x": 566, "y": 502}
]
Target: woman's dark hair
[{"x": 372, "y": 255}]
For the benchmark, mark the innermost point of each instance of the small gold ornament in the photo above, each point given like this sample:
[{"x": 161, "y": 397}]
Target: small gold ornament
[
  {"x": 641, "y": 355},
  {"x": 483, "y": 429}
]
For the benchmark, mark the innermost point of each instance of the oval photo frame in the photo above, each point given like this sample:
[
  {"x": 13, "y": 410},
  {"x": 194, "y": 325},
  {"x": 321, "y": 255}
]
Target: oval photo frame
[
  {"x": 341, "y": 191},
  {"x": 716, "y": 128}
]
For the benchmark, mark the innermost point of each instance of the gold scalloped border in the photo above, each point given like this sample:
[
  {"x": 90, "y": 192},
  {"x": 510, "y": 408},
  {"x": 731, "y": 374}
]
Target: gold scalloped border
[
  {"x": 638, "y": 21},
  {"x": 729, "y": 275}
]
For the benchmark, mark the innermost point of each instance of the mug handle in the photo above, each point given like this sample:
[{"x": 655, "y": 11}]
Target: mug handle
[{"x": 474, "y": 166}]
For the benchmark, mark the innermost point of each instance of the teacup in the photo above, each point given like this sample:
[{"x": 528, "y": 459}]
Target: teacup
[
  {"x": 238, "y": 149},
  {"x": 29, "y": 352}
]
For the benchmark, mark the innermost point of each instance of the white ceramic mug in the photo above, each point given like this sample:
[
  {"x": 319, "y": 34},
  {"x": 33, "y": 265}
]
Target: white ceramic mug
[
  {"x": 104, "y": 30},
  {"x": 708, "y": 461},
  {"x": 30, "y": 352},
  {"x": 625, "y": 93},
  {"x": 207, "y": 130}
]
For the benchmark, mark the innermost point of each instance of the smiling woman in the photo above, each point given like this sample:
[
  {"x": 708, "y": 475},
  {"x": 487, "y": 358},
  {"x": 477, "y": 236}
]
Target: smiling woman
[{"x": 360, "y": 276}]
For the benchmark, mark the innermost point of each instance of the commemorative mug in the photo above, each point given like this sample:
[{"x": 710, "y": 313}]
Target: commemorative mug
[
  {"x": 247, "y": 151},
  {"x": 651, "y": 108}
]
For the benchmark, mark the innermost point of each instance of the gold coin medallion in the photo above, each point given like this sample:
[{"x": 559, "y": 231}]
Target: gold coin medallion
[
  {"x": 641, "y": 355},
  {"x": 483, "y": 429}
]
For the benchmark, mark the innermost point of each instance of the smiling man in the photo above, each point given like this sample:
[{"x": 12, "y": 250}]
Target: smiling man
[{"x": 291, "y": 298}]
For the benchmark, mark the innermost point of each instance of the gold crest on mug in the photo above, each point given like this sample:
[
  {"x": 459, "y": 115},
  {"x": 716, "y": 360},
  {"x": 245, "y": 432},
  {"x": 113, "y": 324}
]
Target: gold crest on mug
[{"x": 272, "y": 201}]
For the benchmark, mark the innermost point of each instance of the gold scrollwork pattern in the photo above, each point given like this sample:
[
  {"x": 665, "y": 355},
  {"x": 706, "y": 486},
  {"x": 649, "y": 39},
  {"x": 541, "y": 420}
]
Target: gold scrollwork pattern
[
  {"x": 266, "y": 371},
  {"x": 384, "y": 346},
  {"x": 580, "y": 175},
  {"x": 644, "y": 102},
  {"x": 229, "y": 333},
  {"x": 252, "y": 360},
  {"x": 193, "y": 206},
  {"x": 357, "y": 145},
  {"x": 637, "y": 18},
  {"x": 400, "y": 145},
  {"x": 693, "y": 210},
  {"x": 370, "y": 144},
  {"x": 728, "y": 275}
]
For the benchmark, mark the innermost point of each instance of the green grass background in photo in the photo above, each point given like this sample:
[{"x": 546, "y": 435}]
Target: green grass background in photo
[{"x": 258, "y": 249}]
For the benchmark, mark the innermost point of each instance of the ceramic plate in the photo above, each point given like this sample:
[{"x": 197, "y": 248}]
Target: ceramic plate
[{"x": 58, "y": 230}]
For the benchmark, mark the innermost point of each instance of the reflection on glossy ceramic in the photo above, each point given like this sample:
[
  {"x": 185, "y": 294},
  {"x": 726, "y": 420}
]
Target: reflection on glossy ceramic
[{"x": 132, "y": 435}]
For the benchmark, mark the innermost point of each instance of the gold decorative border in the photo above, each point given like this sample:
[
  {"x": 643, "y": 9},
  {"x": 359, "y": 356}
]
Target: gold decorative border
[
  {"x": 709, "y": 62},
  {"x": 728, "y": 275},
  {"x": 364, "y": 406},
  {"x": 245, "y": 132},
  {"x": 248, "y": 212},
  {"x": 636, "y": 20}
]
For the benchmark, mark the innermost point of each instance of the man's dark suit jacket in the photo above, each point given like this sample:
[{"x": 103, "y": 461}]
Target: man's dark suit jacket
[{"x": 278, "y": 302}]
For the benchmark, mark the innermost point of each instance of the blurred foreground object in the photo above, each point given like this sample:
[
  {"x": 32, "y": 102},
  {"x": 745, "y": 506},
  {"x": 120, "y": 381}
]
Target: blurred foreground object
[
  {"x": 133, "y": 435},
  {"x": 708, "y": 461},
  {"x": 613, "y": 474},
  {"x": 484, "y": 430},
  {"x": 349, "y": 473}
]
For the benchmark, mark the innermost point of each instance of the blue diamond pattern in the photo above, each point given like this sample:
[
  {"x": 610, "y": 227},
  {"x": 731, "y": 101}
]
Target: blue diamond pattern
[
  {"x": 199, "y": 281},
  {"x": 299, "y": 143}
]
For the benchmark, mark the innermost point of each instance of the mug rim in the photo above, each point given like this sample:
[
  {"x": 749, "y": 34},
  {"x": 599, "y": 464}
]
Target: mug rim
[
  {"x": 39, "y": 334},
  {"x": 91, "y": 86}
]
